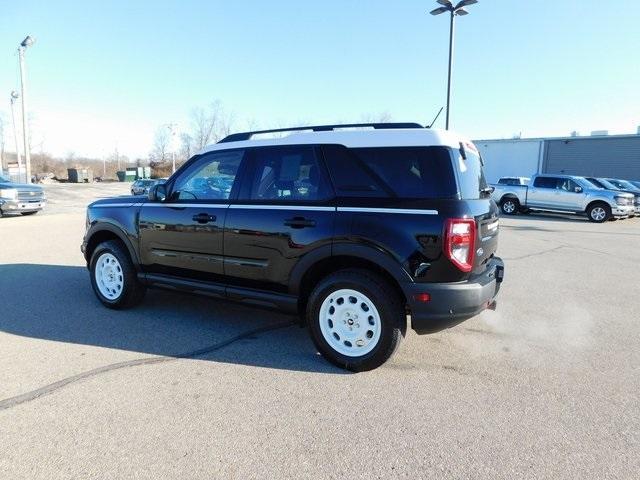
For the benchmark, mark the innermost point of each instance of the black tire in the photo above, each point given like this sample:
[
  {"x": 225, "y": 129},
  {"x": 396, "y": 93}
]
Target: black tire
[
  {"x": 509, "y": 206},
  {"x": 596, "y": 210},
  {"x": 28, "y": 213},
  {"x": 389, "y": 306},
  {"x": 132, "y": 291}
]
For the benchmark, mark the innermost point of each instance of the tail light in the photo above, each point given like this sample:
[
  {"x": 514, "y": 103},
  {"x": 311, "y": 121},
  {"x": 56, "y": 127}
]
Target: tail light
[{"x": 459, "y": 242}]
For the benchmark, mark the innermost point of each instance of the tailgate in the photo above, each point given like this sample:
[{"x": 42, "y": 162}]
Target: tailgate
[{"x": 486, "y": 240}]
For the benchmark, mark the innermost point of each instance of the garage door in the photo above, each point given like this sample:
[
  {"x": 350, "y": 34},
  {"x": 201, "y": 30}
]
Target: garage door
[{"x": 598, "y": 157}]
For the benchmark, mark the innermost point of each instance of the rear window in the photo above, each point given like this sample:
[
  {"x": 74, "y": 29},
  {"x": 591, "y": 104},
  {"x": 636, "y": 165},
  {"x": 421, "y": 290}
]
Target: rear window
[
  {"x": 473, "y": 184},
  {"x": 402, "y": 172}
]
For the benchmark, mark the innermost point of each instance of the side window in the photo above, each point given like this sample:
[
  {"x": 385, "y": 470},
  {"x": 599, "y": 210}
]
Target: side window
[
  {"x": 210, "y": 178},
  {"x": 401, "y": 172},
  {"x": 285, "y": 174},
  {"x": 568, "y": 185},
  {"x": 351, "y": 178},
  {"x": 546, "y": 182}
]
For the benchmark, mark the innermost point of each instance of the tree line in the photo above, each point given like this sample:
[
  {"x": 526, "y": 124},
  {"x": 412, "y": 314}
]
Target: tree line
[{"x": 206, "y": 125}]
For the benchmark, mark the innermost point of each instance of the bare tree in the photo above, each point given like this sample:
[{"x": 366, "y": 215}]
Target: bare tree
[
  {"x": 380, "y": 117},
  {"x": 186, "y": 146},
  {"x": 210, "y": 125},
  {"x": 161, "y": 144}
]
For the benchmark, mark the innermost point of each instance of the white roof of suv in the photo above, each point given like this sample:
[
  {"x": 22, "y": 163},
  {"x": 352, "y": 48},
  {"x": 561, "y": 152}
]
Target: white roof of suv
[{"x": 399, "y": 137}]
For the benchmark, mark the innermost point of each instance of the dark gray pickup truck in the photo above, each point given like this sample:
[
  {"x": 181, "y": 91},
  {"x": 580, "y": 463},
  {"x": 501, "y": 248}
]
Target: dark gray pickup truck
[{"x": 22, "y": 198}]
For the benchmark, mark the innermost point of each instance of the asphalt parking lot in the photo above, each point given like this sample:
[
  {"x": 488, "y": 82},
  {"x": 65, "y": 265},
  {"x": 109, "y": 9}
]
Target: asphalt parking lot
[{"x": 548, "y": 386}]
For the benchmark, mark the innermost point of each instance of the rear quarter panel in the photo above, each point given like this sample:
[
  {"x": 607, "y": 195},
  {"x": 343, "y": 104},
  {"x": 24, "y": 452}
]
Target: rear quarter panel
[{"x": 414, "y": 240}]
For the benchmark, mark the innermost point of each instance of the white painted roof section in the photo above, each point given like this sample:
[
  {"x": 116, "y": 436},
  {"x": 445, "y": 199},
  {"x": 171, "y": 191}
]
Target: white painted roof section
[{"x": 401, "y": 137}]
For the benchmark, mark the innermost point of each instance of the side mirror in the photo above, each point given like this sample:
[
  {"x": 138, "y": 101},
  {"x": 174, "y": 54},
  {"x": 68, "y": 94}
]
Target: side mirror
[
  {"x": 158, "y": 193},
  {"x": 578, "y": 189}
]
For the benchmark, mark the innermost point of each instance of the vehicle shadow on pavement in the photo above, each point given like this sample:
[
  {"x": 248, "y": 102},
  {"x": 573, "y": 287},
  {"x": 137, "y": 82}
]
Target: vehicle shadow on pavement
[
  {"x": 56, "y": 303},
  {"x": 552, "y": 217}
]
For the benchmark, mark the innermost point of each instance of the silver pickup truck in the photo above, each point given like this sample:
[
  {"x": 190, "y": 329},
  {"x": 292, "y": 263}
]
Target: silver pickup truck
[
  {"x": 21, "y": 198},
  {"x": 563, "y": 193}
]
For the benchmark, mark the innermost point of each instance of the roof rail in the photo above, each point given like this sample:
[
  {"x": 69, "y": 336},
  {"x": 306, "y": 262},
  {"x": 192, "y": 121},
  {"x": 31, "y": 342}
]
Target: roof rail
[{"x": 237, "y": 137}]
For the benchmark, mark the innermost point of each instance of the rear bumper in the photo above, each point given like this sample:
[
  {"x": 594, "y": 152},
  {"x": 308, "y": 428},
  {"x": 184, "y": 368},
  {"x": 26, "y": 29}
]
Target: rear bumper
[{"x": 453, "y": 303}]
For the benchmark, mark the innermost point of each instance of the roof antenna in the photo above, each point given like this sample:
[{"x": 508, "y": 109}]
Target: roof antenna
[{"x": 434, "y": 120}]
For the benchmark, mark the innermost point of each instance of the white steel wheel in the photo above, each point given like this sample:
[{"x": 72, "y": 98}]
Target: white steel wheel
[
  {"x": 350, "y": 322},
  {"x": 598, "y": 214},
  {"x": 109, "y": 276}
]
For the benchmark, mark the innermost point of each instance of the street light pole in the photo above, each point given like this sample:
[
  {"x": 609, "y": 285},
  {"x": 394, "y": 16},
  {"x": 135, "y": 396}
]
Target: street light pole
[
  {"x": 14, "y": 96},
  {"x": 454, "y": 11},
  {"x": 172, "y": 131},
  {"x": 452, "y": 28},
  {"x": 27, "y": 42}
]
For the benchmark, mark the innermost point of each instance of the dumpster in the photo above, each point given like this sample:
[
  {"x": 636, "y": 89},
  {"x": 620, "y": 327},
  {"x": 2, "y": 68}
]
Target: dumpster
[{"x": 80, "y": 175}]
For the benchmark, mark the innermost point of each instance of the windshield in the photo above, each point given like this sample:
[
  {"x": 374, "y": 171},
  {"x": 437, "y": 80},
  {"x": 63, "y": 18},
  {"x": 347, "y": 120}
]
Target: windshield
[
  {"x": 622, "y": 184},
  {"x": 591, "y": 182},
  {"x": 608, "y": 184},
  {"x": 4, "y": 179}
]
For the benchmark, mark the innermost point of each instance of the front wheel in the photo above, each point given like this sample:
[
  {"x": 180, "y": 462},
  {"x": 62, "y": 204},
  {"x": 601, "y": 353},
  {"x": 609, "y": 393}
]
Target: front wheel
[
  {"x": 113, "y": 276},
  {"x": 356, "y": 319},
  {"x": 599, "y": 212},
  {"x": 509, "y": 206}
]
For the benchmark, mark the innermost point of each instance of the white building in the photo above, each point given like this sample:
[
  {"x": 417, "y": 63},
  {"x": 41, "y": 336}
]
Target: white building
[{"x": 615, "y": 156}]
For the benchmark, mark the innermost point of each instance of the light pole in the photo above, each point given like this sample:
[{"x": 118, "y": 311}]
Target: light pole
[
  {"x": 172, "y": 131},
  {"x": 458, "y": 9},
  {"x": 27, "y": 42},
  {"x": 14, "y": 96}
]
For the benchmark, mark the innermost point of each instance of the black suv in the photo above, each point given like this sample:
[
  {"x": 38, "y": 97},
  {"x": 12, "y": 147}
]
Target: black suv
[{"x": 352, "y": 229}]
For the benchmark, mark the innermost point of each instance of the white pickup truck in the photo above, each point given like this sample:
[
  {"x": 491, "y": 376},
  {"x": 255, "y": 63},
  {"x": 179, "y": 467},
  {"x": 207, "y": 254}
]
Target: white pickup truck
[{"x": 563, "y": 193}]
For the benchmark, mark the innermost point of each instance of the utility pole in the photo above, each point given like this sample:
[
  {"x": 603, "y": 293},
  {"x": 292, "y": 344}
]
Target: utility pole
[
  {"x": 14, "y": 96},
  {"x": 27, "y": 42}
]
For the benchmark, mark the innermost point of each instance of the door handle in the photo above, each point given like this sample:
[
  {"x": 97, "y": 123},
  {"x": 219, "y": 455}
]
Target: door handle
[
  {"x": 299, "y": 222},
  {"x": 204, "y": 218}
]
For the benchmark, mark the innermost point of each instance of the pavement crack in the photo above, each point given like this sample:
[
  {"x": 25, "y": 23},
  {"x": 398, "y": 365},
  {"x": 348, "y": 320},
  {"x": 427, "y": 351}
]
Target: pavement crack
[
  {"x": 535, "y": 254},
  {"x": 55, "y": 386}
]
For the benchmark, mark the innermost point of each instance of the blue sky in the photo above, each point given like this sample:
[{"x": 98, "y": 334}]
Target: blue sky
[{"x": 106, "y": 74}]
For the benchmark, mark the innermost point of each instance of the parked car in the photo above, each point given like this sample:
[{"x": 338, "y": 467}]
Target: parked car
[
  {"x": 23, "y": 198},
  {"x": 349, "y": 229},
  {"x": 141, "y": 186},
  {"x": 513, "y": 181},
  {"x": 566, "y": 194},
  {"x": 618, "y": 186}
]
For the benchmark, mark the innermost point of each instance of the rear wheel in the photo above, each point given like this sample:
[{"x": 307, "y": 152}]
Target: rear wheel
[
  {"x": 509, "y": 206},
  {"x": 599, "y": 212},
  {"x": 113, "y": 276},
  {"x": 356, "y": 319}
]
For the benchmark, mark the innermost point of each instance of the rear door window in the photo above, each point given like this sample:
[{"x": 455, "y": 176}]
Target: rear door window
[
  {"x": 546, "y": 182},
  {"x": 397, "y": 172}
]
